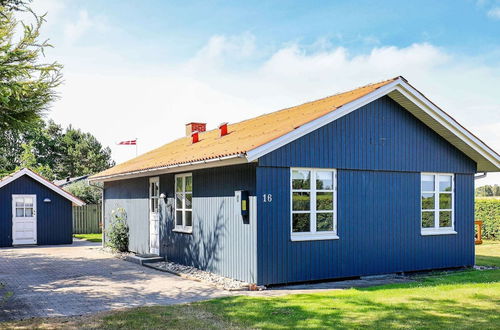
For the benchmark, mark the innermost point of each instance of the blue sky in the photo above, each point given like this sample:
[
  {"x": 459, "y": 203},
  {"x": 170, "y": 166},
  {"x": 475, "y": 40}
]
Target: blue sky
[{"x": 148, "y": 67}]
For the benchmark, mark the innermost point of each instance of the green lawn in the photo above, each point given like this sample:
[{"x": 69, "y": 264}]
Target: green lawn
[
  {"x": 90, "y": 237},
  {"x": 488, "y": 253},
  {"x": 464, "y": 299}
]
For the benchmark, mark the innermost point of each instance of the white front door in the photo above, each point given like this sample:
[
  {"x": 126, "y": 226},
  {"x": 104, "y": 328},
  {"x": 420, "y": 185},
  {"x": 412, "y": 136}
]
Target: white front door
[
  {"x": 23, "y": 219},
  {"x": 154, "y": 215}
]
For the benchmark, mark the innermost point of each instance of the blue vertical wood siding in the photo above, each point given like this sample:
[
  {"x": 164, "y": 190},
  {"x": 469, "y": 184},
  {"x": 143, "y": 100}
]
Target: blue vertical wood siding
[
  {"x": 221, "y": 241},
  {"x": 379, "y": 136},
  {"x": 379, "y": 151},
  {"x": 54, "y": 219},
  {"x": 378, "y": 224},
  {"x": 131, "y": 195}
]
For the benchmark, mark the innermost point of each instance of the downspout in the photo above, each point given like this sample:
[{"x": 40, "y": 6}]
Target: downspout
[
  {"x": 480, "y": 176},
  {"x": 102, "y": 212}
]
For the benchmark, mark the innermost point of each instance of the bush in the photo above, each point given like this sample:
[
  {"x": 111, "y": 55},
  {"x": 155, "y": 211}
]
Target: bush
[
  {"x": 488, "y": 210},
  {"x": 118, "y": 231},
  {"x": 87, "y": 193}
]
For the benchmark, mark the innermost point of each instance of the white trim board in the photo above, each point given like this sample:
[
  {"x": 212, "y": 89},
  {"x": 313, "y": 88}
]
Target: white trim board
[
  {"x": 216, "y": 162},
  {"x": 487, "y": 159},
  {"x": 45, "y": 182}
]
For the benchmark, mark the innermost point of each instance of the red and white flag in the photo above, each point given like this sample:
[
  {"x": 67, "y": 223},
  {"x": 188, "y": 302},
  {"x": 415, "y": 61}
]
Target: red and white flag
[{"x": 128, "y": 143}]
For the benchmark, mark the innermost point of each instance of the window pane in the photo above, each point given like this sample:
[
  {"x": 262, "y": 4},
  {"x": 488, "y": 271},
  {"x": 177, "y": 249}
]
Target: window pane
[
  {"x": 301, "y": 222},
  {"x": 28, "y": 212},
  {"x": 19, "y": 202},
  {"x": 28, "y": 202},
  {"x": 445, "y": 183},
  {"x": 324, "y": 201},
  {"x": 178, "y": 218},
  {"x": 189, "y": 201},
  {"x": 189, "y": 183},
  {"x": 324, "y": 180},
  {"x": 427, "y": 219},
  {"x": 301, "y": 179},
  {"x": 19, "y": 212},
  {"x": 445, "y": 201},
  {"x": 427, "y": 183},
  {"x": 445, "y": 219},
  {"x": 157, "y": 189},
  {"x": 178, "y": 201},
  {"x": 189, "y": 220},
  {"x": 427, "y": 201},
  {"x": 301, "y": 201},
  {"x": 324, "y": 222},
  {"x": 178, "y": 184},
  {"x": 152, "y": 189}
]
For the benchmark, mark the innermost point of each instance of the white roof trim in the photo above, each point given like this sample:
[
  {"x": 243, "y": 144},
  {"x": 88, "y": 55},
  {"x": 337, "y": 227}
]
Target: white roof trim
[
  {"x": 320, "y": 122},
  {"x": 190, "y": 166},
  {"x": 43, "y": 181},
  {"x": 409, "y": 92}
]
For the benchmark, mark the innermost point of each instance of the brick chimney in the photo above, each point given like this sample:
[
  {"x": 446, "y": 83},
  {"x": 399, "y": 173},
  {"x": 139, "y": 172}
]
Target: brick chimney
[{"x": 195, "y": 127}]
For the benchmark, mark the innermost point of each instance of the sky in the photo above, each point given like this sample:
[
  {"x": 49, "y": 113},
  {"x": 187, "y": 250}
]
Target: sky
[{"x": 143, "y": 69}]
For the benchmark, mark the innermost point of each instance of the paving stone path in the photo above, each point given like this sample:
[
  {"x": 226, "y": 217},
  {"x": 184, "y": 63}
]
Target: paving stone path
[{"x": 79, "y": 279}]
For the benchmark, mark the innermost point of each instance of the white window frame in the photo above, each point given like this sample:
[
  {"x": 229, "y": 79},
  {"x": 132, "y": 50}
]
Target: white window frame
[
  {"x": 313, "y": 234},
  {"x": 436, "y": 230},
  {"x": 183, "y": 228},
  {"x": 153, "y": 197}
]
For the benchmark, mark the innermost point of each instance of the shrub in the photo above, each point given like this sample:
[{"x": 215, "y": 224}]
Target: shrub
[
  {"x": 488, "y": 210},
  {"x": 118, "y": 231},
  {"x": 87, "y": 193}
]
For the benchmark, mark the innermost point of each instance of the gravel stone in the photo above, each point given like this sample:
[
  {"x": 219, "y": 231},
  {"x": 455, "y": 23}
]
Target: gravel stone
[{"x": 201, "y": 275}]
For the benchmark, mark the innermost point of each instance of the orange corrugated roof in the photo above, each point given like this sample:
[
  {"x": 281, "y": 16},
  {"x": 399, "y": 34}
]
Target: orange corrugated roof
[{"x": 243, "y": 136}]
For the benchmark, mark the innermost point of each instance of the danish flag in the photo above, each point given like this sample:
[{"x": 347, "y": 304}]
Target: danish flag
[{"x": 128, "y": 143}]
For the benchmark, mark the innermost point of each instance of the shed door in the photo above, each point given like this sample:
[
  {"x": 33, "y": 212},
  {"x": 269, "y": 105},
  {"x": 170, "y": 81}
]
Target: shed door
[
  {"x": 23, "y": 219},
  {"x": 154, "y": 216}
]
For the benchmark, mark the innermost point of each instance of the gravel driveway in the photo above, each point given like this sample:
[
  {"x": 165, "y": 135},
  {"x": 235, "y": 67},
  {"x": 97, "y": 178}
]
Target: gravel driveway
[{"x": 78, "y": 279}]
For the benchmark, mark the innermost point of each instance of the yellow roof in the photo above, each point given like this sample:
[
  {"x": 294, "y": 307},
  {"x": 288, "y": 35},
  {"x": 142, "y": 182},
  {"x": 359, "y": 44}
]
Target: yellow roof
[{"x": 242, "y": 137}]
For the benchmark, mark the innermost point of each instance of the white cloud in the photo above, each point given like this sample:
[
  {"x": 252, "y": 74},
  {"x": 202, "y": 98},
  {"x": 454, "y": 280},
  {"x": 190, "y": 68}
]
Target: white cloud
[
  {"x": 494, "y": 13},
  {"x": 84, "y": 24},
  {"x": 53, "y": 9},
  {"x": 229, "y": 79}
]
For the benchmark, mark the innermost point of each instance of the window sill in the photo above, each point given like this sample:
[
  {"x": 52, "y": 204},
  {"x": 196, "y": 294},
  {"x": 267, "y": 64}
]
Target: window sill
[
  {"x": 313, "y": 237},
  {"x": 438, "y": 232},
  {"x": 183, "y": 231}
]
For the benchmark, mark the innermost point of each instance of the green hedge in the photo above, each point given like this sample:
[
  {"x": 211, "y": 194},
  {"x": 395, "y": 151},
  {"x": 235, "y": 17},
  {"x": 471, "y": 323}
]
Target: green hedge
[{"x": 488, "y": 210}]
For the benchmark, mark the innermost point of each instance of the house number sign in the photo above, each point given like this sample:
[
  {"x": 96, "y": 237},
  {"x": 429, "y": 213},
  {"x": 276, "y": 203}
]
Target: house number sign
[{"x": 268, "y": 198}]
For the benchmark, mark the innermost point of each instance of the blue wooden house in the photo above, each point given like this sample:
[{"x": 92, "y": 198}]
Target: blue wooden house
[
  {"x": 34, "y": 211},
  {"x": 372, "y": 181}
]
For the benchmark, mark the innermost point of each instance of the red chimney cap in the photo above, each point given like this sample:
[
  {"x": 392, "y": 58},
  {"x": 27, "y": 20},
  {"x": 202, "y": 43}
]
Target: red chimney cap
[
  {"x": 195, "y": 137},
  {"x": 223, "y": 129}
]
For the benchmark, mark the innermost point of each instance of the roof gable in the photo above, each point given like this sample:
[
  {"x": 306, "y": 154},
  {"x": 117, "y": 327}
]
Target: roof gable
[
  {"x": 250, "y": 139},
  {"x": 25, "y": 171},
  {"x": 379, "y": 136}
]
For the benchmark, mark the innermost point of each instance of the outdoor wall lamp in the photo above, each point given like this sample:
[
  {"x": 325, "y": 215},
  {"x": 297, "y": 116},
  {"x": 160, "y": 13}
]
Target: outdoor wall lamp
[{"x": 47, "y": 200}]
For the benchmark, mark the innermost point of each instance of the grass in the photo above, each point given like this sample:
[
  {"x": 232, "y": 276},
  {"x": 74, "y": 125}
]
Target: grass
[
  {"x": 90, "y": 237},
  {"x": 488, "y": 253},
  {"x": 464, "y": 299}
]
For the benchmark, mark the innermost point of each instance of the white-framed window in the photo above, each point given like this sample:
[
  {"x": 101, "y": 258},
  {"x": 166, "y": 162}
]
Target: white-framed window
[
  {"x": 313, "y": 204},
  {"x": 184, "y": 202},
  {"x": 154, "y": 194},
  {"x": 437, "y": 203}
]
